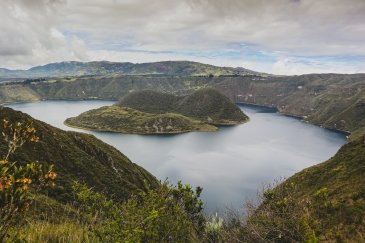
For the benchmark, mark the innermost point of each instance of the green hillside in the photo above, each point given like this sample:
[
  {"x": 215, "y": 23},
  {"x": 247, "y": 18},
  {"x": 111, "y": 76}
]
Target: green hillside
[
  {"x": 331, "y": 100},
  {"x": 126, "y": 120},
  {"x": 80, "y": 157},
  {"x": 334, "y": 101},
  {"x": 337, "y": 191},
  {"x": 323, "y": 203},
  {"x": 151, "y": 112},
  {"x": 150, "y": 101},
  {"x": 205, "y": 104}
]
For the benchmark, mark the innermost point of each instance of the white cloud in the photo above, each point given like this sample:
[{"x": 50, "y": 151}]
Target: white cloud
[{"x": 40, "y": 31}]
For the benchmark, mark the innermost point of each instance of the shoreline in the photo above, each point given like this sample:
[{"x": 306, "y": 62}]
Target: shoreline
[
  {"x": 273, "y": 109},
  {"x": 128, "y": 133},
  {"x": 301, "y": 118}
]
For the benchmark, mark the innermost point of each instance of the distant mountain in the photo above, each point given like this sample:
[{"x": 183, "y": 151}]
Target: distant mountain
[
  {"x": 147, "y": 112},
  {"x": 72, "y": 68}
]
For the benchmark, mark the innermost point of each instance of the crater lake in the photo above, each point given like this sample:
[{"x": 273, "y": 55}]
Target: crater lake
[{"x": 231, "y": 165}]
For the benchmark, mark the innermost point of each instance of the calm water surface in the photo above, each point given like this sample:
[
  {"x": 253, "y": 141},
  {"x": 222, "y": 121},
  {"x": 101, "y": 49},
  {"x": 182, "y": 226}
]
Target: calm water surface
[{"x": 231, "y": 165}]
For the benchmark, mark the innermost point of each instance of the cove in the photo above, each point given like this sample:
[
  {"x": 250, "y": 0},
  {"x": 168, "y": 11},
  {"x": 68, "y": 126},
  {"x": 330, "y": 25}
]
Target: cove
[{"x": 231, "y": 165}]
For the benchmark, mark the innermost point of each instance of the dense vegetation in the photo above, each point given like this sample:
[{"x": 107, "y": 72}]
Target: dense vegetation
[
  {"x": 146, "y": 112},
  {"x": 80, "y": 157},
  {"x": 126, "y": 120},
  {"x": 205, "y": 104},
  {"x": 324, "y": 203},
  {"x": 336, "y": 190},
  {"x": 18, "y": 179}
]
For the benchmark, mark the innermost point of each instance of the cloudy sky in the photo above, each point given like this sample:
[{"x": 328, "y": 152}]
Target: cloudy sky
[{"x": 275, "y": 36}]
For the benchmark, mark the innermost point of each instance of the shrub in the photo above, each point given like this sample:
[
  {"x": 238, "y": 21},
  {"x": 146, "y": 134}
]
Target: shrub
[
  {"x": 168, "y": 213},
  {"x": 278, "y": 216},
  {"x": 18, "y": 180}
]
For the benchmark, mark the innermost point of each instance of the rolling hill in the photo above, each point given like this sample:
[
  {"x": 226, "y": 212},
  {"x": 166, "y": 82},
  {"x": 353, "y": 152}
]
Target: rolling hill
[
  {"x": 205, "y": 104},
  {"x": 146, "y": 112}
]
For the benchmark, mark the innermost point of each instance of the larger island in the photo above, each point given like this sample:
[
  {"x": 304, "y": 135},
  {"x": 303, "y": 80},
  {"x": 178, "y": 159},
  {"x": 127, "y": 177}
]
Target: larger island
[{"x": 152, "y": 112}]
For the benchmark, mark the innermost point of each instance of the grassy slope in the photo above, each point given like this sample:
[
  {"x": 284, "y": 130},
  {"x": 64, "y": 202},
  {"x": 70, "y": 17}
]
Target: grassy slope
[
  {"x": 343, "y": 176},
  {"x": 332, "y": 100},
  {"x": 206, "y": 104},
  {"x": 127, "y": 120},
  {"x": 81, "y": 157},
  {"x": 17, "y": 93}
]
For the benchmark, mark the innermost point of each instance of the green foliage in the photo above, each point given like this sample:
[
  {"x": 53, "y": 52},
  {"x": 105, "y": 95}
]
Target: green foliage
[
  {"x": 206, "y": 104},
  {"x": 147, "y": 112},
  {"x": 81, "y": 157},
  {"x": 325, "y": 202},
  {"x": 169, "y": 213},
  {"x": 279, "y": 218},
  {"x": 16, "y": 180},
  {"x": 127, "y": 120},
  {"x": 45, "y": 231},
  {"x": 214, "y": 229},
  {"x": 334, "y": 196}
]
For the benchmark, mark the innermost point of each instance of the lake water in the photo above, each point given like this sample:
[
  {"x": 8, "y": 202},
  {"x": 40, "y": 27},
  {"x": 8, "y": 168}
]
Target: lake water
[{"x": 231, "y": 165}]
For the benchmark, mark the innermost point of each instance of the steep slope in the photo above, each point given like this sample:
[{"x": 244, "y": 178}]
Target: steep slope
[
  {"x": 336, "y": 189},
  {"x": 80, "y": 157},
  {"x": 205, "y": 104},
  {"x": 150, "y": 101},
  {"x": 332, "y": 100},
  {"x": 210, "y": 105},
  {"x": 151, "y": 112}
]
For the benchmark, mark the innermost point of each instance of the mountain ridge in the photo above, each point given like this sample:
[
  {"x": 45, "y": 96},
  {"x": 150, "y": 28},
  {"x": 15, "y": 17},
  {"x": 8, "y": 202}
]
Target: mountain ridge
[{"x": 76, "y": 68}]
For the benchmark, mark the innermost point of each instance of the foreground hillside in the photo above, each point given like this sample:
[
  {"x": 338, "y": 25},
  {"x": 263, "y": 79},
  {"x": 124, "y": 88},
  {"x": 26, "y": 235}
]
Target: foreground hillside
[
  {"x": 79, "y": 157},
  {"x": 151, "y": 112},
  {"x": 337, "y": 189},
  {"x": 323, "y": 203}
]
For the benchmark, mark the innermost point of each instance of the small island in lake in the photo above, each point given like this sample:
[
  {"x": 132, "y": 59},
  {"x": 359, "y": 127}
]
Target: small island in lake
[{"x": 152, "y": 112}]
